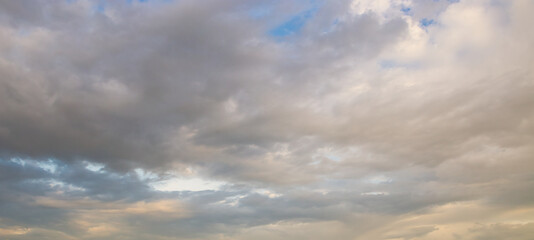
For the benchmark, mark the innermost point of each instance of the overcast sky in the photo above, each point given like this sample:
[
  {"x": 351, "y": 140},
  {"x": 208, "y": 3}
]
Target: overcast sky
[{"x": 266, "y": 119}]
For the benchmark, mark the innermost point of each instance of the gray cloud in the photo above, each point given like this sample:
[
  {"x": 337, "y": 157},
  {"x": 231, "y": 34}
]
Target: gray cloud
[{"x": 362, "y": 124}]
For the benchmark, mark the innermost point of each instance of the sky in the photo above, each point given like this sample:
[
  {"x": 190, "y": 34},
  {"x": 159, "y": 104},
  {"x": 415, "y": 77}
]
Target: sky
[{"x": 266, "y": 119}]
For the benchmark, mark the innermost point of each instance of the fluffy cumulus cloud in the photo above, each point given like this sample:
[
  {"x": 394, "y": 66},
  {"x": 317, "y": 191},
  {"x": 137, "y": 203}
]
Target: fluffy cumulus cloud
[{"x": 186, "y": 119}]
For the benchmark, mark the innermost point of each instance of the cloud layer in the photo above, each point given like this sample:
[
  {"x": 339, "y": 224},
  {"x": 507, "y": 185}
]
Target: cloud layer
[{"x": 384, "y": 119}]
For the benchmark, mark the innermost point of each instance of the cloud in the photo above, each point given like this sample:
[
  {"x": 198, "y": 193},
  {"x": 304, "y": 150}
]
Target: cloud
[{"x": 189, "y": 120}]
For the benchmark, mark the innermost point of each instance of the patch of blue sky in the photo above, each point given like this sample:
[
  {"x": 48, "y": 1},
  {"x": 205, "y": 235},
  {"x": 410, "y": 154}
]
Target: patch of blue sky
[
  {"x": 294, "y": 24},
  {"x": 425, "y": 22},
  {"x": 406, "y": 10},
  {"x": 100, "y": 7}
]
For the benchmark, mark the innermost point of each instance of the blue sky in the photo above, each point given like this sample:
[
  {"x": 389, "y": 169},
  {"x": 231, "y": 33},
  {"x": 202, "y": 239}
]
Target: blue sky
[{"x": 294, "y": 24}]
